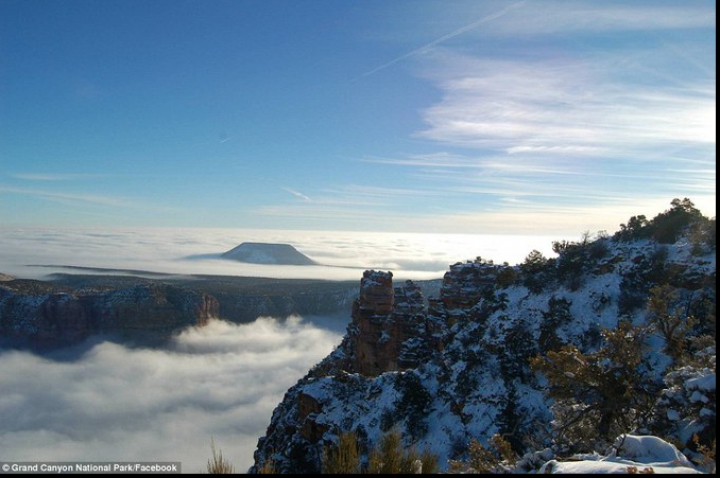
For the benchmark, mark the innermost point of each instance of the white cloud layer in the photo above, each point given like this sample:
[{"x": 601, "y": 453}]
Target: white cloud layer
[
  {"x": 344, "y": 255},
  {"x": 118, "y": 404}
]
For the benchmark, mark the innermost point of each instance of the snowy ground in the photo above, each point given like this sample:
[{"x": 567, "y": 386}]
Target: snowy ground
[{"x": 632, "y": 454}]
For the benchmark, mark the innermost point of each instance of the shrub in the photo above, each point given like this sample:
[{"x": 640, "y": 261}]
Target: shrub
[
  {"x": 557, "y": 316},
  {"x": 534, "y": 262},
  {"x": 669, "y": 225},
  {"x": 387, "y": 420},
  {"x": 605, "y": 392},
  {"x": 268, "y": 468},
  {"x": 638, "y": 227},
  {"x": 599, "y": 248},
  {"x": 536, "y": 271},
  {"x": 573, "y": 259},
  {"x": 666, "y": 227},
  {"x": 707, "y": 462},
  {"x": 497, "y": 457},
  {"x": 344, "y": 458},
  {"x": 666, "y": 313},
  {"x": 518, "y": 347},
  {"x": 703, "y": 236},
  {"x": 506, "y": 277},
  {"x": 415, "y": 398},
  {"x": 390, "y": 457},
  {"x": 632, "y": 296}
]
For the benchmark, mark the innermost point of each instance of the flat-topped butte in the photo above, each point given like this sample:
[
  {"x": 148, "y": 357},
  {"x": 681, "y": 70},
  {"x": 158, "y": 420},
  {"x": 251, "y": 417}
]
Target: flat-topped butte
[{"x": 265, "y": 253}]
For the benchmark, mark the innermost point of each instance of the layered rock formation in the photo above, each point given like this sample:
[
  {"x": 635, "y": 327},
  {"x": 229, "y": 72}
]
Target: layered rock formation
[
  {"x": 464, "y": 285},
  {"x": 70, "y": 307},
  {"x": 40, "y": 314},
  {"x": 389, "y": 325}
]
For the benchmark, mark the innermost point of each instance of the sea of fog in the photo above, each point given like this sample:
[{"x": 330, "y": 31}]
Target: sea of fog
[
  {"x": 343, "y": 255},
  {"x": 104, "y": 401}
]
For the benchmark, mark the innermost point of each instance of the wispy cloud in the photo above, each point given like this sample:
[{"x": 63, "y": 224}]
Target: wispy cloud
[
  {"x": 495, "y": 182},
  {"x": 572, "y": 17},
  {"x": 441, "y": 159},
  {"x": 370, "y": 197},
  {"x": 550, "y": 17},
  {"x": 566, "y": 129},
  {"x": 447, "y": 37},
  {"x": 69, "y": 196},
  {"x": 349, "y": 201},
  {"x": 542, "y": 209},
  {"x": 379, "y": 192},
  {"x": 54, "y": 176},
  {"x": 352, "y": 207},
  {"x": 575, "y": 128},
  {"x": 297, "y": 194},
  {"x": 571, "y": 106}
]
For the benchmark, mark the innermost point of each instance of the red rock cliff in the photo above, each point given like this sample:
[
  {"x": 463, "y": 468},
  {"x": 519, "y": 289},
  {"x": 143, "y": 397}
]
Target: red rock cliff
[{"x": 387, "y": 326}]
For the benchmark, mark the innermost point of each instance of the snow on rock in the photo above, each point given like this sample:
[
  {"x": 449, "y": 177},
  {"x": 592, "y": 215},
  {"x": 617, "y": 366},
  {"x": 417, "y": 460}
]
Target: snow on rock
[
  {"x": 264, "y": 253},
  {"x": 689, "y": 401},
  {"x": 632, "y": 454},
  {"x": 650, "y": 450},
  {"x": 706, "y": 382},
  {"x": 456, "y": 369}
]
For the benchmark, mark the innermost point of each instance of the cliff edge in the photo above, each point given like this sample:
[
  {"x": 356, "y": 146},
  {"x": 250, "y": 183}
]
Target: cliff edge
[{"x": 457, "y": 369}]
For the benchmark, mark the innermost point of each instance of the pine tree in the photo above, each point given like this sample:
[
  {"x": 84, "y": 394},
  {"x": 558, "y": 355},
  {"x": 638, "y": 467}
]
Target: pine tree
[{"x": 603, "y": 393}]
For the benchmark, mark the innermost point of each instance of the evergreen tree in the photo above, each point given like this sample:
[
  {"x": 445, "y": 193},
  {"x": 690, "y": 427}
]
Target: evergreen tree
[{"x": 603, "y": 393}]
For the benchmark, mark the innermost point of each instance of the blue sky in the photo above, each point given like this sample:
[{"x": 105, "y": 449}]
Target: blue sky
[{"x": 530, "y": 117}]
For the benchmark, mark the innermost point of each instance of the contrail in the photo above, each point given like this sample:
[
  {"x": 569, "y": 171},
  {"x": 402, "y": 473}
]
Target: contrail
[
  {"x": 443, "y": 38},
  {"x": 297, "y": 194}
]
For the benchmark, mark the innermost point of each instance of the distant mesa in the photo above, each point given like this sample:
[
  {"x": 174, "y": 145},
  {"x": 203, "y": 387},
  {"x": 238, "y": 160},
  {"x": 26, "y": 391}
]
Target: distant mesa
[{"x": 263, "y": 253}]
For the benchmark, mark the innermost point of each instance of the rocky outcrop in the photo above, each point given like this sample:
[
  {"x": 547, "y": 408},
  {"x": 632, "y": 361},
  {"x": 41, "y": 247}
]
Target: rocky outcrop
[
  {"x": 456, "y": 368},
  {"x": 158, "y": 307},
  {"x": 389, "y": 325},
  {"x": 39, "y": 314},
  {"x": 464, "y": 285},
  {"x": 373, "y": 334},
  {"x": 392, "y": 328},
  {"x": 308, "y": 408}
]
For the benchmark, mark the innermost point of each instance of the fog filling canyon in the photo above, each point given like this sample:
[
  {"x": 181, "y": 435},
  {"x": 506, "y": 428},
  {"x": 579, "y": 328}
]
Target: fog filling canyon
[{"x": 105, "y": 401}]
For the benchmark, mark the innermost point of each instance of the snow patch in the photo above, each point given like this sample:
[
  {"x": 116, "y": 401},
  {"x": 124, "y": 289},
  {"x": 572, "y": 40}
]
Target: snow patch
[
  {"x": 264, "y": 253},
  {"x": 633, "y": 453}
]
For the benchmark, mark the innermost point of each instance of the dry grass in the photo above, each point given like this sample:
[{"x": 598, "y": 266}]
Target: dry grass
[{"x": 217, "y": 465}]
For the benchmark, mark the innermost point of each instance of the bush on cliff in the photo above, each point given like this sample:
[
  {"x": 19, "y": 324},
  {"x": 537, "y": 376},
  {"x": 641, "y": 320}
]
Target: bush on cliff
[{"x": 389, "y": 457}]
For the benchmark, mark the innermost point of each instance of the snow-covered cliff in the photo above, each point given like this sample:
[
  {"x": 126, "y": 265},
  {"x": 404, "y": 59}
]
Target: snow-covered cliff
[{"x": 457, "y": 370}]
